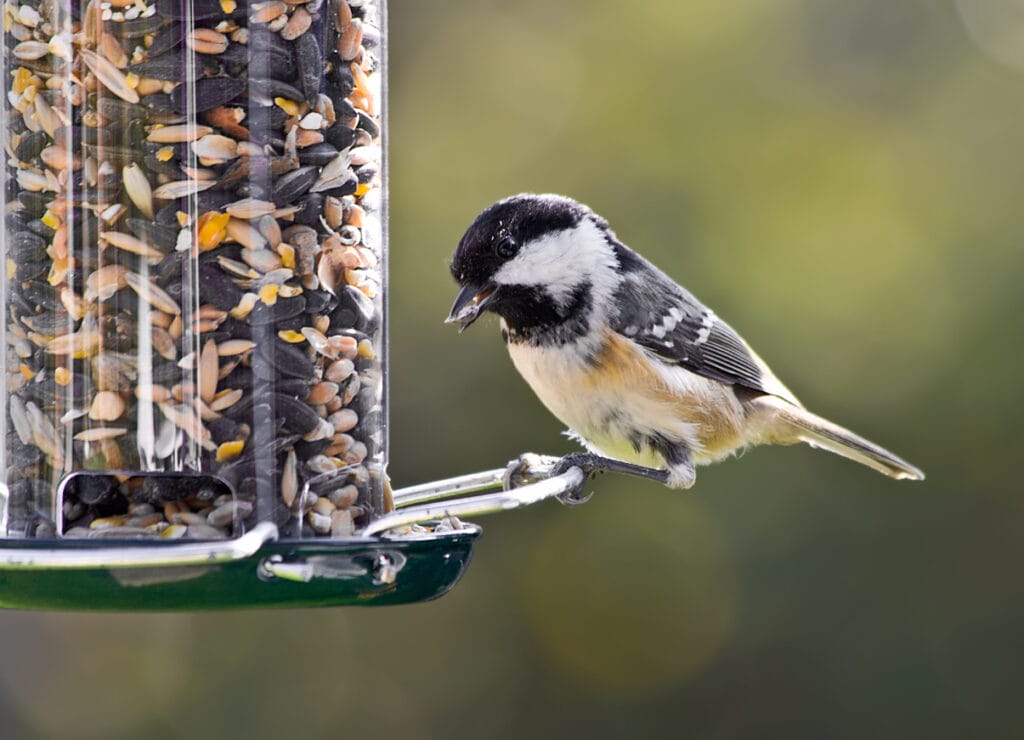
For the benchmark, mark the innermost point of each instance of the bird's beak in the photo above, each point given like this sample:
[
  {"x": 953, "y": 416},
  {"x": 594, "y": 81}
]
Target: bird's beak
[{"x": 469, "y": 303}]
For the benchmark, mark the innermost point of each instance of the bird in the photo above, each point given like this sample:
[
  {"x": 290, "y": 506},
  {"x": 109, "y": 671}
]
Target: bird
[{"x": 649, "y": 379}]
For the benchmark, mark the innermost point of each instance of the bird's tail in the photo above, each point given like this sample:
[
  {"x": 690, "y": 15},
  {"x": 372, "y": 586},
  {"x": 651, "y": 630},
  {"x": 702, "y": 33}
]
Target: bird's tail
[{"x": 804, "y": 426}]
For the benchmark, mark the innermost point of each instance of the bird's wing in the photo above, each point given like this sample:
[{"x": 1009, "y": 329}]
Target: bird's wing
[{"x": 669, "y": 322}]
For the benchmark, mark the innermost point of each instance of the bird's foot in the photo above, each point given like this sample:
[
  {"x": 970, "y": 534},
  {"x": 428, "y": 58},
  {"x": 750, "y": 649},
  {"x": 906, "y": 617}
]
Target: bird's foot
[
  {"x": 592, "y": 464},
  {"x": 530, "y": 468},
  {"x": 586, "y": 462}
]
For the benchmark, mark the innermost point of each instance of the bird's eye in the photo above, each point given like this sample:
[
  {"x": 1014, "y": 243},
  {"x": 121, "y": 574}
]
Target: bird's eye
[{"x": 507, "y": 247}]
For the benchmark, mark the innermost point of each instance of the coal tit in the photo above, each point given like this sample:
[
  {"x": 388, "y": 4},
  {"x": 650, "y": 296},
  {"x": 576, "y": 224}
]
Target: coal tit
[{"x": 639, "y": 369}]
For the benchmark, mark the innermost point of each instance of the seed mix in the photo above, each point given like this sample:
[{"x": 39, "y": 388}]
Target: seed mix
[{"x": 194, "y": 236}]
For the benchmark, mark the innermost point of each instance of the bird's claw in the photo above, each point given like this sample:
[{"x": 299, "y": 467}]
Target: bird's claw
[
  {"x": 576, "y": 496},
  {"x": 586, "y": 462}
]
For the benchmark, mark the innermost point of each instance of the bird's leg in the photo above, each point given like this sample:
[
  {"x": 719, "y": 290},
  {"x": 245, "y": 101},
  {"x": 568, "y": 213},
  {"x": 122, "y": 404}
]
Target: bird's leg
[{"x": 590, "y": 463}]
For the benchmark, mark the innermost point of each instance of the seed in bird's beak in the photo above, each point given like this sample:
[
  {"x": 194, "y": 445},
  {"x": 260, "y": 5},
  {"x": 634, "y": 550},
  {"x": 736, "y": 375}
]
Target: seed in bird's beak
[{"x": 469, "y": 304}]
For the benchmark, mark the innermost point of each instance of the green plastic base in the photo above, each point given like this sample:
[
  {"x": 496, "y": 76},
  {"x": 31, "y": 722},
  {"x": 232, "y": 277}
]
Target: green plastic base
[{"x": 423, "y": 569}]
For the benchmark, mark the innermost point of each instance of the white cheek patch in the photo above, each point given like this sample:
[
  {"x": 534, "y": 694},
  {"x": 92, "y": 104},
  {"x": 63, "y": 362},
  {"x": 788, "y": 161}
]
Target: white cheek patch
[
  {"x": 541, "y": 262},
  {"x": 561, "y": 262}
]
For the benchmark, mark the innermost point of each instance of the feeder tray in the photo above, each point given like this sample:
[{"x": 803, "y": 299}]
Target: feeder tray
[{"x": 416, "y": 553}]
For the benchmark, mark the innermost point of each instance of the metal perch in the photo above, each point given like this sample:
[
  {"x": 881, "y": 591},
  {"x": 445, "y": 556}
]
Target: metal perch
[{"x": 387, "y": 562}]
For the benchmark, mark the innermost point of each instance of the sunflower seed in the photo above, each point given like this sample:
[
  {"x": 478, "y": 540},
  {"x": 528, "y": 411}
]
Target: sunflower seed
[
  {"x": 153, "y": 233},
  {"x": 283, "y": 309},
  {"x": 282, "y": 360},
  {"x": 310, "y": 66},
  {"x": 298, "y": 416},
  {"x": 265, "y": 90},
  {"x": 172, "y": 67},
  {"x": 206, "y": 93},
  {"x": 24, "y": 246},
  {"x": 293, "y": 185},
  {"x": 169, "y": 37}
]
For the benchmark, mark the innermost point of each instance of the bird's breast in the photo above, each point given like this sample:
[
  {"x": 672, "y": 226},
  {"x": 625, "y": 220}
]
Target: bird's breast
[{"x": 616, "y": 397}]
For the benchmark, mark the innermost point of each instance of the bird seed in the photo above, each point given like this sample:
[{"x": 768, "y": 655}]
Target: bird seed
[{"x": 193, "y": 308}]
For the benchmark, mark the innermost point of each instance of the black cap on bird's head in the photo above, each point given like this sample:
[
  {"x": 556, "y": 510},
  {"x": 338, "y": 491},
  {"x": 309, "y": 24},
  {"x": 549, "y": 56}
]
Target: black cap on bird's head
[{"x": 503, "y": 257}]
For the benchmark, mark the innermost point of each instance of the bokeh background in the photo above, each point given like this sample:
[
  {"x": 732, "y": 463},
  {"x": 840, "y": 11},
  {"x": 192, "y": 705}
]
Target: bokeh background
[{"x": 842, "y": 181}]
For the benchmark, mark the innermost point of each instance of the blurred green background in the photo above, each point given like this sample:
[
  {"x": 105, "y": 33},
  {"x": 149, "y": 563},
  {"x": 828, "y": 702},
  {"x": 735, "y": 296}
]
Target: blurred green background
[{"x": 842, "y": 182}]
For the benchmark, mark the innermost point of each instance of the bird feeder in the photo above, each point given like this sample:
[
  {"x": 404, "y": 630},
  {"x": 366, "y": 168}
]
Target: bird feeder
[{"x": 194, "y": 331}]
